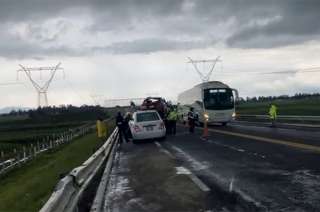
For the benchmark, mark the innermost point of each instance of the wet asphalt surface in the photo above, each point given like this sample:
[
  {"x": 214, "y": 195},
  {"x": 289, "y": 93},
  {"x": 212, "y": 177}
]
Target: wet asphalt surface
[
  {"x": 244, "y": 174},
  {"x": 250, "y": 175}
]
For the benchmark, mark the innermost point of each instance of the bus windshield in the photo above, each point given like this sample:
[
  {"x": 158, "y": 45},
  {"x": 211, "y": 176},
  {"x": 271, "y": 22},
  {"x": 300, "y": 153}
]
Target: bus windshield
[{"x": 218, "y": 99}]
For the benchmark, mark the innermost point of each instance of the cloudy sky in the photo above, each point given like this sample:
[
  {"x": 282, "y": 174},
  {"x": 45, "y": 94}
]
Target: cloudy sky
[{"x": 133, "y": 48}]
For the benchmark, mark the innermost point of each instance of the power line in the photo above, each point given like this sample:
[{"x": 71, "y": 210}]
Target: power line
[
  {"x": 11, "y": 83},
  {"x": 306, "y": 70}
]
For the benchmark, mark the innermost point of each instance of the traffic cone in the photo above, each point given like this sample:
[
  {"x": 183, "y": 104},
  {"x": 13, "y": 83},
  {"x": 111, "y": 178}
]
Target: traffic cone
[{"x": 205, "y": 133}]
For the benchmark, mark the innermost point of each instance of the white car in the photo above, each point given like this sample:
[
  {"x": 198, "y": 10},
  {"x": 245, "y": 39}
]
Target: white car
[{"x": 147, "y": 124}]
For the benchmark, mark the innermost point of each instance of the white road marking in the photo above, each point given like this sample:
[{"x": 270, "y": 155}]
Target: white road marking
[
  {"x": 221, "y": 181},
  {"x": 193, "y": 177},
  {"x": 199, "y": 182},
  {"x": 164, "y": 150},
  {"x": 183, "y": 170}
]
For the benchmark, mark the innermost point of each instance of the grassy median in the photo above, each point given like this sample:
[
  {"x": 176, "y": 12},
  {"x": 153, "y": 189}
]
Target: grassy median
[
  {"x": 301, "y": 107},
  {"x": 28, "y": 188}
]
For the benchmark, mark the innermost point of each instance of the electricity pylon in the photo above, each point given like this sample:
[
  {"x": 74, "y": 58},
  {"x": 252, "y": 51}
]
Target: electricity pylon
[
  {"x": 204, "y": 77},
  {"x": 41, "y": 88}
]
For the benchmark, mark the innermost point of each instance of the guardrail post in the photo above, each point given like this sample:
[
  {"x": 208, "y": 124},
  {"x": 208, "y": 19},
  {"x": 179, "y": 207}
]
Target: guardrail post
[
  {"x": 24, "y": 152},
  {"x": 2, "y": 154}
]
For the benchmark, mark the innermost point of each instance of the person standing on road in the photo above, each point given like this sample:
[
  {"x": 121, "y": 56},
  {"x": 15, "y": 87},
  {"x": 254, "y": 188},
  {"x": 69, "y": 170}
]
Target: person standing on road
[
  {"x": 126, "y": 128},
  {"x": 191, "y": 120},
  {"x": 273, "y": 114},
  {"x": 172, "y": 119},
  {"x": 120, "y": 125}
]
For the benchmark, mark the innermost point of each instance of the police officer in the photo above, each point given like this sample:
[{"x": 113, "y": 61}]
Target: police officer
[
  {"x": 191, "y": 120},
  {"x": 273, "y": 114},
  {"x": 172, "y": 119},
  {"x": 120, "y": 125}
]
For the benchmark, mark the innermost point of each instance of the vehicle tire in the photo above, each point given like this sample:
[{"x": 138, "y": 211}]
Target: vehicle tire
[
  {"x": 224, "y": 123},
  {"x": 134, "y": 141},
  {"x": 201, "y": 124}
]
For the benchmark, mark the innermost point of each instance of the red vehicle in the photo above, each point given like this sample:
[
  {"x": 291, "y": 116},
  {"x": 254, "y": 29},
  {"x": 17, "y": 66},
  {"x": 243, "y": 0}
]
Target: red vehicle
[{"x": 156, "y": 103}]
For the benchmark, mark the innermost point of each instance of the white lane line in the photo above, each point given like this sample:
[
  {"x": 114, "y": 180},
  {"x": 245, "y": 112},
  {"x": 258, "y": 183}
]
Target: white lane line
[
  {"x": 183, "y": 170},
  {"x": 164, "y": 150},
  {"x": 221, "y": 181},
  {"x": 193, "y": 178},
  {"x": 199, "y": 182}
]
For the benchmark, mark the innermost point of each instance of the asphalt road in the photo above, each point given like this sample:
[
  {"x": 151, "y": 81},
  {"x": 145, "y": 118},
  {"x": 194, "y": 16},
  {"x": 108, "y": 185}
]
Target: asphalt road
[{"x": 248, "y": 168}]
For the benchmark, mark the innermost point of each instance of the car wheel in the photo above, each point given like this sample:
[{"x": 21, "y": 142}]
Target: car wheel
[{"x": 224, "y": 123}]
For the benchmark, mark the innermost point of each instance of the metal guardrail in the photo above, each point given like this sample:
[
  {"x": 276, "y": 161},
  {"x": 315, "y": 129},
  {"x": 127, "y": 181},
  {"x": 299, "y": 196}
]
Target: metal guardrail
[
  {"x": 70, "y": 189},
  {"x": 282, "y": 117}
]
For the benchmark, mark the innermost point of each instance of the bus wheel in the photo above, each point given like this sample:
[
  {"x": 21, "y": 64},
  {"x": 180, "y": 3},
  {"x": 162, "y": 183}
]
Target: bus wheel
[{"x": 224, "y": 123}]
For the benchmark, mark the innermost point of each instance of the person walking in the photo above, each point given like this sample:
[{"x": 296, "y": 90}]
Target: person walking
[
  {"x": 120, "y": 125},
  {"x": 273, "y": 114},
  {"x": 191, "y": 120},
  {"x": 172, "y": 119}
]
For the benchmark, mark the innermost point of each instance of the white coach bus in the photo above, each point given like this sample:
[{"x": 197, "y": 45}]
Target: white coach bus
[{"x": 213, "y": 100}]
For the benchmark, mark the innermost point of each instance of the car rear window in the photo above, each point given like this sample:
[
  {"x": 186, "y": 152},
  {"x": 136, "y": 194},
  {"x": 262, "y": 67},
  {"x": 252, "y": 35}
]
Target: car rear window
[{"x": 151, "y": 116}]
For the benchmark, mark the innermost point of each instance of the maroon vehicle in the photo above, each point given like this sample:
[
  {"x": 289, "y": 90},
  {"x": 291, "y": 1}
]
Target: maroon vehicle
[{"x": 155, "y": 103}]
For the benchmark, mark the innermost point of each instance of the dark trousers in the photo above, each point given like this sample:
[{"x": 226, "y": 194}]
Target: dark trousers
[
  {"x": 123, "y": 133},
  {"x": 191, "y": 125},
  {"x": 172, "y": 127}
]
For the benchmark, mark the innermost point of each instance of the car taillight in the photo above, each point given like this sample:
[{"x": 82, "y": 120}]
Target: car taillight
[
  {"x": 161, "y": 126},
  {"x": 136, "y": 128}
]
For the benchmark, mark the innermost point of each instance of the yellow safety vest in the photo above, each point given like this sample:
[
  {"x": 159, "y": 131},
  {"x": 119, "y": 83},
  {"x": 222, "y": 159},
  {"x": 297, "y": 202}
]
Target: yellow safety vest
[
  {"x": 273, "y": 112},
  {"x": 173, "y": 116}
]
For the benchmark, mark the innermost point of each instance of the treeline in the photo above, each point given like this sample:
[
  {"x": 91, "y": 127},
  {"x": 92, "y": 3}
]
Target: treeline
[
  {"x": 281, "y": 97},
  {"x": 63, "y": 113}
]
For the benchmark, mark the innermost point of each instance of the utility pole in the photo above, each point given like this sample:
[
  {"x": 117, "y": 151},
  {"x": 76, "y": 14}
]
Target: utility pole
[
  {"x": 40, "y": 88},
  {"x": 204, "y": 77}
]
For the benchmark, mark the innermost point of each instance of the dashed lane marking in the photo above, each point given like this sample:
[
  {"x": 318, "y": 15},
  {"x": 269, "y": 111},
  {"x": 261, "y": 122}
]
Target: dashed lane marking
[
  {"x": 193, "y": 177},
  {"x": 185, "y": 171},
  {"x": 270, "y": 140},
  {"x": 199, "y": 182},
  {"x": 162, "y": 149}
]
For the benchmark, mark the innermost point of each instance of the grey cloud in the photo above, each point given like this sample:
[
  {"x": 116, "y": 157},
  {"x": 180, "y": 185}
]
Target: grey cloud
[
  {"x": 149, "y": 46},
  {"x": 298, "y": 23},
  {"x": 173, "y": 26}
]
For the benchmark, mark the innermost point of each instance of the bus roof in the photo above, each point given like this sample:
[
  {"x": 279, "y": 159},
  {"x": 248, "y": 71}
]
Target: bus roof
[{"x": 212, "y": 84}]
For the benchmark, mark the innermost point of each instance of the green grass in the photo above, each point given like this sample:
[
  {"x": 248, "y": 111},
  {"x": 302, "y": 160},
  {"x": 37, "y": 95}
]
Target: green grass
[
  {"x": 301, "y": 107},
  {"x": 16, "y": 135},
  {"x": 11, "y": 118},
  {"x": 28, "y": 188}
]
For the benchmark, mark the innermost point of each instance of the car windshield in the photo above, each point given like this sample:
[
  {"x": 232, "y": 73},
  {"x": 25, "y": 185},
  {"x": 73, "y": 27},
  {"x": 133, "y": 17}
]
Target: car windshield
[
  {"x": 149, "y": 116},
  {"x": 218, "y": 99}
]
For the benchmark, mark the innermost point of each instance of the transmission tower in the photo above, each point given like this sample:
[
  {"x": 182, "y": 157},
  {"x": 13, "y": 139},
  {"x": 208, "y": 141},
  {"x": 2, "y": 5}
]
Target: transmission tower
[
  {"x": 41, "y": 88},
  {"x": 204, "y": 77}
]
